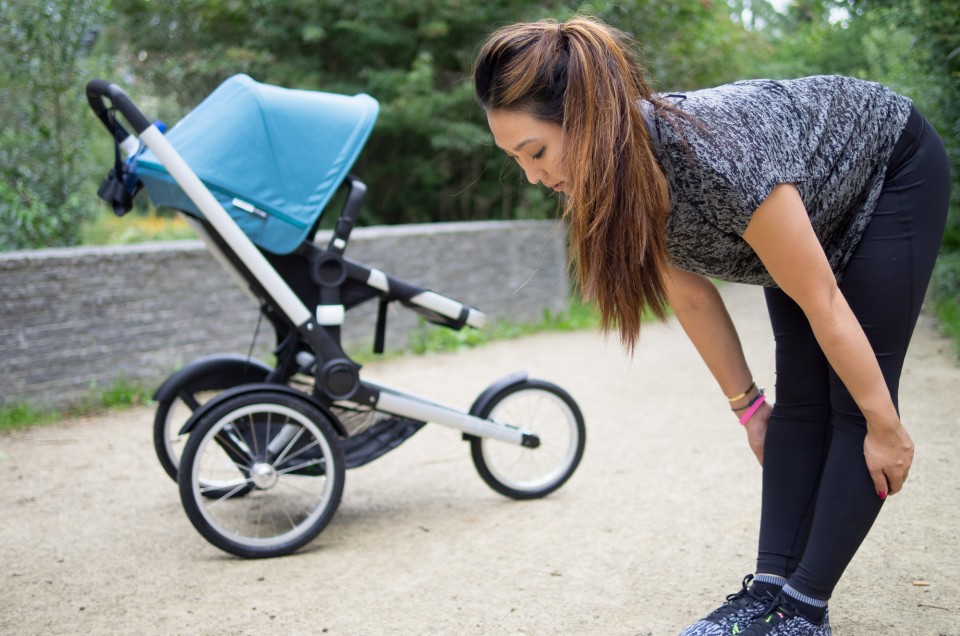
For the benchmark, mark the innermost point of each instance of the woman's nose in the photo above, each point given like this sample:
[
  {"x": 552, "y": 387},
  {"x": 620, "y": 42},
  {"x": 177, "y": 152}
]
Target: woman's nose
[{"x": 534, "y": 174}]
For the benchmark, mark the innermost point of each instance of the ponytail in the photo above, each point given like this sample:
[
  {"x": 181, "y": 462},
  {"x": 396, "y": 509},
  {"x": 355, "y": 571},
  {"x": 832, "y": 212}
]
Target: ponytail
[{"x": 583, "y": 75}]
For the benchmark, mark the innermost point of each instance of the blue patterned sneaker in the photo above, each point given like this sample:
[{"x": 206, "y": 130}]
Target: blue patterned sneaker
[
  {"x": 734, "y": 615},
  {"x": 782, "y": 619}
]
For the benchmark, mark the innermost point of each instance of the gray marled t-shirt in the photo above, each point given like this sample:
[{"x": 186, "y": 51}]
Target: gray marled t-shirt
[{"x": 831, "y": 136}]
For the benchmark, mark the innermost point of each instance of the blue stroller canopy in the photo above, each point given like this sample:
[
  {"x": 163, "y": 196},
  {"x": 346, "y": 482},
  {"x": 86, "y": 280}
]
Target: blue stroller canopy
[{"x": 272, "y": 156}]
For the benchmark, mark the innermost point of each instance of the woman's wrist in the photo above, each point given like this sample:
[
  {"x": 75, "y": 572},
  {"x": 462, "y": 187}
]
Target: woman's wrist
[
  {"x": 745, "y": 400},
  {"x": 747, "y": 403},
  {"x": 882, "y": 420},
  {"x": 745, "y": 394},
  {"x": 752, "y": 408}
]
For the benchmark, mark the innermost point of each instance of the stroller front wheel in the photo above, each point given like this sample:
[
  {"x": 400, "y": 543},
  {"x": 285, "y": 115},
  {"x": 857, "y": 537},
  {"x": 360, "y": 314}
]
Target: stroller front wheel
[
  {"x": 523, "y": 472},
  {"x": 275, "y": 463}
]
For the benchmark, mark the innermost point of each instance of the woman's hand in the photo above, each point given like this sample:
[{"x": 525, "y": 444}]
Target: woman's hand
[
  {"x": 756, "y": 428},
  {"x": 888, "y": 450}
]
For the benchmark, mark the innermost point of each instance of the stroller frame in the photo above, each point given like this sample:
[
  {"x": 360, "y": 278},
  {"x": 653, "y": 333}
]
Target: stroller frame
[{"x": 309, "y": 342}]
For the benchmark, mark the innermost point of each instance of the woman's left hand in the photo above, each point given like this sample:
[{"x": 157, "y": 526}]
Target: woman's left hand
[{"x": 888, "y": 451}]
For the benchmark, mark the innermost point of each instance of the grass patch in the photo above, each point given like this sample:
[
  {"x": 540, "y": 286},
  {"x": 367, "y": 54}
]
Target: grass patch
[
  {"x": 19, "y": 416},
  {"x": 121, "y": 394},
  {"x": 948, "y": 315}
]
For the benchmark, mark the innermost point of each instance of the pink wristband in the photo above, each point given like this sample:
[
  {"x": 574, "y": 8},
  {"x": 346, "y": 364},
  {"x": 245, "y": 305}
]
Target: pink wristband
[{"x": 753, "y": 409}]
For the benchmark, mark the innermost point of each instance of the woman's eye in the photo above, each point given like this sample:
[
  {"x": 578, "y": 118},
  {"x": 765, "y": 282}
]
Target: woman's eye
[{"x": 539, "y": 155}]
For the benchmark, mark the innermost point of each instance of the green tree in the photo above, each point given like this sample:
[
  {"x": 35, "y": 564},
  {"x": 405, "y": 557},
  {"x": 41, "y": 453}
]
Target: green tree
[{"x": 44, "y": 48}]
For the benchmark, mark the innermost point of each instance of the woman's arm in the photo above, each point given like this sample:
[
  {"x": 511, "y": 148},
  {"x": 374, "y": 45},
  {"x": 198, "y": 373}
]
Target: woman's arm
[
  {"x": 703, "y": 316},
  {"x": 781, "y": 235}
]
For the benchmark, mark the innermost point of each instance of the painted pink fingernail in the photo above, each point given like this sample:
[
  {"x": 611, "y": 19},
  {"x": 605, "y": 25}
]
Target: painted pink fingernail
[{"x": 882, "y": 495}]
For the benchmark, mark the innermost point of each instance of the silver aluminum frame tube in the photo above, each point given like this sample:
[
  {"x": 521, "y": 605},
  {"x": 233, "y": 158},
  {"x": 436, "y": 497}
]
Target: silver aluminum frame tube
[{"x": 405, "y": 405}]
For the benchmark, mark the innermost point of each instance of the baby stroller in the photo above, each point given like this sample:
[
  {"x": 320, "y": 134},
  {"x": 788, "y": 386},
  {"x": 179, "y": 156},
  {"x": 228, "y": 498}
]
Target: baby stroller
[{"x": 262, "y": 470}]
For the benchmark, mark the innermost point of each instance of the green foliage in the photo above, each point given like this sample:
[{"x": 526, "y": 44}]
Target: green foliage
[
  {"x": 105, "y": 228},
  {"x": 430, "y": 158},
  {"x": 44, "y": 48},
  {"x": 946, "y": 294},
  {"x": 948, "y": 313},
  {"x": 946, "y": 283},
  {"x": 23, "y": 415}
]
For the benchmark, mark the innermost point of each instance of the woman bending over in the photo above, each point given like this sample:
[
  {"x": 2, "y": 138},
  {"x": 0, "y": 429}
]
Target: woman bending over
[{"x": 829, "y": 192}]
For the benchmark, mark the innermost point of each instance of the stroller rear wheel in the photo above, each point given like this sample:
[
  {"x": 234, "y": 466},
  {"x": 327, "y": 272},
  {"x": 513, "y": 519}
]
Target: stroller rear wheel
[
  {"x": 276, "y": 465},
  {"x": 522, "y": 472},
  {"x": 184, "y": 392}
]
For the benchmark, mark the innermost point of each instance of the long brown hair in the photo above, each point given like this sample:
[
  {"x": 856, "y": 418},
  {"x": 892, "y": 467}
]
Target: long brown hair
[{"x": 585, "y": 76}]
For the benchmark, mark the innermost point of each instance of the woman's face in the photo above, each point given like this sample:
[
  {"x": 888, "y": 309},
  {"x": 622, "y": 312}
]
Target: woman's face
[{"x": 534, "y": 143}]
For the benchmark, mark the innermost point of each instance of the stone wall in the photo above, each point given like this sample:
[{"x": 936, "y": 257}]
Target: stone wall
[{"x": 75, "y": 321}]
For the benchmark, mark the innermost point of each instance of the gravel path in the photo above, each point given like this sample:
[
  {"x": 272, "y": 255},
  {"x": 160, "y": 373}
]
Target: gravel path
[{"x": 655, "y": 527}]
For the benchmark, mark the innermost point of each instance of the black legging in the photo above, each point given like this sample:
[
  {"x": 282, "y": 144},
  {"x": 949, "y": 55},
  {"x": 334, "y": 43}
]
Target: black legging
[{"x": 819, "y": 501}]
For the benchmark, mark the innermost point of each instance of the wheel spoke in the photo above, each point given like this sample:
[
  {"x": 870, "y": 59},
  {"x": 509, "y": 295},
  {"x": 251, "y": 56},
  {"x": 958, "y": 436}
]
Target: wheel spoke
[
  {"x": 253, "y": 434},
  {"x": 226, "y": 496},
  {"x": 289, "y": 445},
  {"x": 306, "y": 464}
]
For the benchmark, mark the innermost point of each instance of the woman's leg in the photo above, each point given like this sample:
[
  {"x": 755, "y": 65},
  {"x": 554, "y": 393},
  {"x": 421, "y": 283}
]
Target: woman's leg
[{"x": 798, "y": 436}]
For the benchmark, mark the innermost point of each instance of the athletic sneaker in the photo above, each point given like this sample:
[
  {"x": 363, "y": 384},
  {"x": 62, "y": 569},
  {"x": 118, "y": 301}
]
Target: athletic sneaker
[
  {"x": 782, "y": 619},
  {"x": 734, "y": 615}
]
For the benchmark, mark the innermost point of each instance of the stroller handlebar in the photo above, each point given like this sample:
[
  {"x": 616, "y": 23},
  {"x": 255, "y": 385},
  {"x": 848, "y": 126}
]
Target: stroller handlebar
[{"x": 97, "y": 90}]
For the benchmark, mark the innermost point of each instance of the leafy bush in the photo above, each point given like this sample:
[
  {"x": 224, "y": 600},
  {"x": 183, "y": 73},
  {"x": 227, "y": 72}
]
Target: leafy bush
[{"x": 46, "y": 176}]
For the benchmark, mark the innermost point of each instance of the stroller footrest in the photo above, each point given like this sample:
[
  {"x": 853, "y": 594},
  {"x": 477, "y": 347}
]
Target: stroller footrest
[{"x": 378, "y": 440}]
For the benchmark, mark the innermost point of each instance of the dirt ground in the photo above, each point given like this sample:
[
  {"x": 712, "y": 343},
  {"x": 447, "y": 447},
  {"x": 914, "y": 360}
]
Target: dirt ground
[{"x": 657, "y": 525}]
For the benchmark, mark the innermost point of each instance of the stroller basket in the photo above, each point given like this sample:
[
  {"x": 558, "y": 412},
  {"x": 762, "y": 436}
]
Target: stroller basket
[{"x": 273, "y": 157}]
